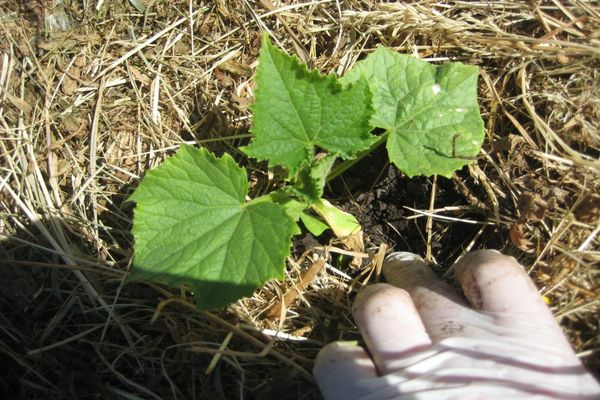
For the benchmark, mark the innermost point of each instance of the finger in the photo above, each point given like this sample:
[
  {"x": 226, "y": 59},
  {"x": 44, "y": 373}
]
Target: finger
[
  {"x": 494, "y": 282},
  {"x": 443, "y": 312},
  {"x": 338, "y": 369},
  {"x": 389, "y": 324},
  {"x": 498, "y": 285}
]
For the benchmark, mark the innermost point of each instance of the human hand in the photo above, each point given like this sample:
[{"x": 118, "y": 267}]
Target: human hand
[{"x": 427, "y": 342}]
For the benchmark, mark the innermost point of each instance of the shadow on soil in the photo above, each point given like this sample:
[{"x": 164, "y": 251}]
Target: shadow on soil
[{"x": 58, "y": 343}]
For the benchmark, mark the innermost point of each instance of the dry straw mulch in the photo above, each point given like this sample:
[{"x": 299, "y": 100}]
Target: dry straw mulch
[{"x": 94, "y": 93}]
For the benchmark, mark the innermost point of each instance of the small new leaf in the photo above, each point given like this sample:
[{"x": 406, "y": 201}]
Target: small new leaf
[
  {"x": 429, "y": 112},
  {"x": 193, "y": 227},
  {"x": 297, "y": 110},
  {"x": 313, "y": 224},
  {"x": 310, "y": 180}
]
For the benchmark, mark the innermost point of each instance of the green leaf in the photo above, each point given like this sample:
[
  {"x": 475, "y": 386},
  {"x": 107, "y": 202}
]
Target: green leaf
[
  {"x": 292, "y": 207},
  {"x": 297, "y": 110},
  {"x": 138, "y": 5},
  {"x": 313, "y": 224},
  {"x": 193, "y": 227},
  {"x": 296, "y": 210},
  {"x": 429, "y": 112},
  {"x": 311, "y": 179},
  {"x": 342, "y": 223}
]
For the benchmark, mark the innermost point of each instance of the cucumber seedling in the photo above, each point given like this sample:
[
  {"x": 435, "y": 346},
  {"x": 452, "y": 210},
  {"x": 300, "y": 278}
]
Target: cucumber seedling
[{"x": 192, "y": 223}]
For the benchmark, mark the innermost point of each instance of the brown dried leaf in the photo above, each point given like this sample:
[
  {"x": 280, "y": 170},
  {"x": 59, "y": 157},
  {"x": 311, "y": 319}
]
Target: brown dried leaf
[
  {"x": 589, "y": 209},
  {"x": 71, "y": 124},
  {"x": 55, "y": 44},
  {"x": 293, "y": 294},
  {"x": 532, "y": 207},
  {"x": 223, "y": 78},
  {"x": 518, "y": 236},
  {"x": 241, "y": 103},
  {"x": 69, "y": 86},
  {"x": 235, "y": 68},
  {"x": 139, "y": 76},
  {"x": 19, "y": 103}
]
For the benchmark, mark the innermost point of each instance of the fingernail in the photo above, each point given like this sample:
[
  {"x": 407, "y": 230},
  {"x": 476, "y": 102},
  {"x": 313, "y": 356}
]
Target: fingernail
[
  {"x": 404, "y": 269},
  {"x": 404, "y": 257},
  {"x": 347, "y": 343}
]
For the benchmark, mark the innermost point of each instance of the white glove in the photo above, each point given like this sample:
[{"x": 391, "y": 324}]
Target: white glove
[{"x": 426, "y": 342}]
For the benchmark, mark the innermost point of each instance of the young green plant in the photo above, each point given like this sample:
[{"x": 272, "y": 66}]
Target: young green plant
[{"x": 192, "y": 223}]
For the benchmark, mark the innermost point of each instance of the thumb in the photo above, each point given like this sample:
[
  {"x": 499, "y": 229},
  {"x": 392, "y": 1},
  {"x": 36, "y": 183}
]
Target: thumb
[{"x": 338, "y": 369}]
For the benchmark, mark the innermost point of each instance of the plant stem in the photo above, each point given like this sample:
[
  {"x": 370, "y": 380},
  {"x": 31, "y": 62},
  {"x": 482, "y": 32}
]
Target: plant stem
[
  {"x": 260, "y": 199},
  {"x": 344, "y": 166}
]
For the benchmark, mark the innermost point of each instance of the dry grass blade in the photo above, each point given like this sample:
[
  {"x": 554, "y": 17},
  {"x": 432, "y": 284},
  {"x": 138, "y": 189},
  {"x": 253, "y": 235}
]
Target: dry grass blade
[
  {"x": 278, "y": 310},
  {"x": 93, "y": 94}
]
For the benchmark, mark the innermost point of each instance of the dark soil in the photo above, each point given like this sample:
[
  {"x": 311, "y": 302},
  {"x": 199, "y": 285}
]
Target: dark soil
[{"x": 377, "y": 193}]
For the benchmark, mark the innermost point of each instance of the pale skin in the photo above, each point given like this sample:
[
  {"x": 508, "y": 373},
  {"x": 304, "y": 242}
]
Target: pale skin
[{"x": 497, "y": 339}]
